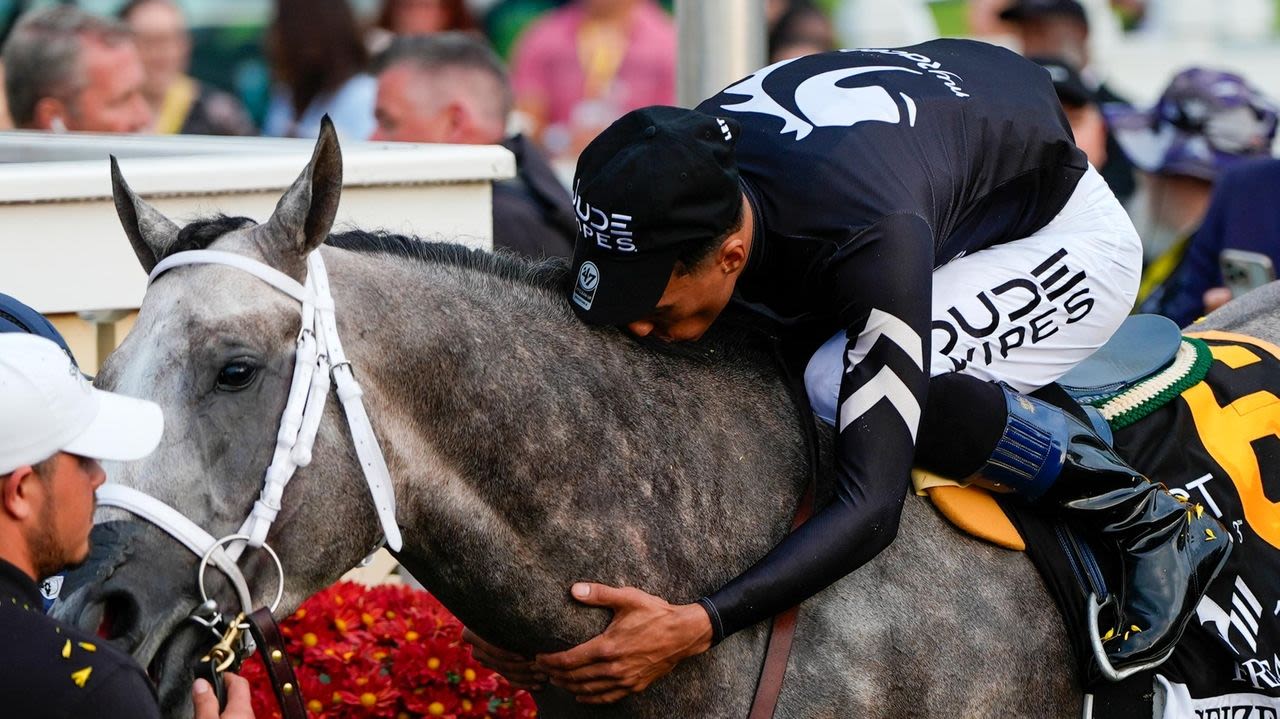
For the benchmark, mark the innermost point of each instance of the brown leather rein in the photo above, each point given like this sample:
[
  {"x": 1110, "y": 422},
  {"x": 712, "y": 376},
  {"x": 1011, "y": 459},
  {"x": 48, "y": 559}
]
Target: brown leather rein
[
  {"x": 781, "y": 634},
  {"x": 266, "y": 633},
  {"x": 270, "y": 642}
]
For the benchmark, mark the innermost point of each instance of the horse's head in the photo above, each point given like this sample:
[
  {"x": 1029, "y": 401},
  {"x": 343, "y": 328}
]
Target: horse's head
[{"x": 214, "y": 346}]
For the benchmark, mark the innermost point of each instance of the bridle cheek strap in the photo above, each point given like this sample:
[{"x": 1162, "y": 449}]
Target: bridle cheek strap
[
  {"x": 368, "y": 451},
  {"x": 319, "y": 357}
]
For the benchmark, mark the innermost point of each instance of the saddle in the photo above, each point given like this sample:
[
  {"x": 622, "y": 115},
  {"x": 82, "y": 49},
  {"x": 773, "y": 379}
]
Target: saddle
[{"x": 1145, "y": 364}]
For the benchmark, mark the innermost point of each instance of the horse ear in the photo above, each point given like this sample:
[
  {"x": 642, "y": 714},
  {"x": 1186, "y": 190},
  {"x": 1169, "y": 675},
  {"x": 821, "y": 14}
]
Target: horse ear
[
  {"x": 306, "y": 211},
  {"x": 150, "y": 232}
]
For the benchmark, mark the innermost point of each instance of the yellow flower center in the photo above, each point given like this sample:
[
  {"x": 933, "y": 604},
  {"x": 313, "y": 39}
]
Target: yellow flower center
[
  {"x": 314, "y": 706},
  {"x": 411, "y": 636},
  {"x": 435, "y": 709},
  {"x": 310, "y": 639},
  {"x": 469, "y": 675},
  {"x": 341, "y": 624},
  {"x": 300, "y": 614},
  {"x": 366, "y": 619},
  {"x": 466, "y": 705},
  {"x": 433, "y": 664},
  {"x": 368, "y": 699}
]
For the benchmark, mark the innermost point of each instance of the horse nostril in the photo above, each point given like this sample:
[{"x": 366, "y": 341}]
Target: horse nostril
[{"x": 119, "y": 616}]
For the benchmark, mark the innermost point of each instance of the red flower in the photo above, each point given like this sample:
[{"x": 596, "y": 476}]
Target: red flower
[
  {"x": 433, "y": 702},
  {"x": 375, "y": 697},
  {"x": 387, "y": 651}
]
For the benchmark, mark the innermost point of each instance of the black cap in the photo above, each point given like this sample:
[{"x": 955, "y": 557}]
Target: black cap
[
  {"x": 1020, "y": 10},
  {"x": 653, "y": 182},
  {"x": 1066, "y": 81}
]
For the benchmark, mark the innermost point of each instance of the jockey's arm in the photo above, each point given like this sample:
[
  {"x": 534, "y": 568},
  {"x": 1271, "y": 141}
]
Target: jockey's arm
[{"x": 880, "y": 284}]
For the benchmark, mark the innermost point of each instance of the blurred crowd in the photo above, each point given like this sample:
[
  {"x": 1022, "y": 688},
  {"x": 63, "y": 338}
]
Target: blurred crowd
[{"x": 1193, "y": 169}]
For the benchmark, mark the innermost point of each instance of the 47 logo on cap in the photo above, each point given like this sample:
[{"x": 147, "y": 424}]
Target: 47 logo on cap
[{"x": 584, "y": 292}]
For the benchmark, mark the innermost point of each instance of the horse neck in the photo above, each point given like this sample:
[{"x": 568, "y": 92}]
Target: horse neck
[{"x": 536, "y": 451}]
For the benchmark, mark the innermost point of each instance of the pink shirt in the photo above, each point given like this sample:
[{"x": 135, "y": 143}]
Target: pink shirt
[{"x": 547, "y": 71}]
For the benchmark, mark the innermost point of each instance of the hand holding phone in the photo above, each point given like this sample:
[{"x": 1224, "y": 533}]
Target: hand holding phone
[{"x": 1243, "y": 270}]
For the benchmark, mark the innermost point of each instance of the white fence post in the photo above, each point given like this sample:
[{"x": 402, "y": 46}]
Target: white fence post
[{"x": 720, "y": 41}]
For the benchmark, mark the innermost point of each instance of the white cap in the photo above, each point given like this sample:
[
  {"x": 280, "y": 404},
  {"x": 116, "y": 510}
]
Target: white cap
[{"x": 47, "y": 406}]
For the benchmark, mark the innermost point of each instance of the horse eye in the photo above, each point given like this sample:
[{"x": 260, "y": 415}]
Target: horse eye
[{"x": 236, "y": 376}]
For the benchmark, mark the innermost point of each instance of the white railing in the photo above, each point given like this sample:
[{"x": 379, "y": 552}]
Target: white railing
[{"x": 62, "y": 249}]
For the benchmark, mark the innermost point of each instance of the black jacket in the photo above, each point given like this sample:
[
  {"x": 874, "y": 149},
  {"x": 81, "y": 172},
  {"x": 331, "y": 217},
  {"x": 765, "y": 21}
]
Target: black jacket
[
  {"x": 866, "y": 170},
  {"x": 531, "y": 212},
  {"x": 50, "y": 670}
]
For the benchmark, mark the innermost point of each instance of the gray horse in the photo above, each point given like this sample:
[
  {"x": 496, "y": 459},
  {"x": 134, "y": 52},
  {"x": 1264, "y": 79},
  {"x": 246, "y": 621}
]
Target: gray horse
[{"x": 530, "y": 451}]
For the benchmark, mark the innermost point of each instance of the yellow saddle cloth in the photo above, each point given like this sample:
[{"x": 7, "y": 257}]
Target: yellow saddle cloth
[{"x": 971, "y": 509}]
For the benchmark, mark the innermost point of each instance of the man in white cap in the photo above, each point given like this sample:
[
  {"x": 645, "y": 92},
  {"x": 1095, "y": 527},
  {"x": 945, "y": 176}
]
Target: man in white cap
[{"x": 54, "y": 429}]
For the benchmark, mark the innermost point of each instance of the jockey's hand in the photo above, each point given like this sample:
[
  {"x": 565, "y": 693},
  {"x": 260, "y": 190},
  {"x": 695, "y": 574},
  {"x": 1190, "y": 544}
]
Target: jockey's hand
[
  {"x": 645, "y": 640},
  {"x": 518, "y": 671},
  {"x": 206, "y": 702}
]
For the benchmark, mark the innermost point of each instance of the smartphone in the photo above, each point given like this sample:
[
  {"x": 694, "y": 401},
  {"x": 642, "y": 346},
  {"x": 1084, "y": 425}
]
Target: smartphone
[{"x": 1243, "y": 270}]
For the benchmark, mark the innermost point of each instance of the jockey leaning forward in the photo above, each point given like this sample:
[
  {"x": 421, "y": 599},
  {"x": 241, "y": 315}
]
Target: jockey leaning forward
[{"x": 929, "y": 206}]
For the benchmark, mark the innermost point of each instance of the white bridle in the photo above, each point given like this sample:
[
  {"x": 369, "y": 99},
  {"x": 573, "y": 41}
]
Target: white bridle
[{"x": 319, "y": 358}]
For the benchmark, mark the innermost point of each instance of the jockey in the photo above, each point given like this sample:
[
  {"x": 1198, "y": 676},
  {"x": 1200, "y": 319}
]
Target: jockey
[{"x": 927, "y": 210}]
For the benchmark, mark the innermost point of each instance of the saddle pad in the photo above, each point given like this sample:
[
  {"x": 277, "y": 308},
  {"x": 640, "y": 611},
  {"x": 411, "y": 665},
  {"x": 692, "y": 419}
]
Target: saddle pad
[
  {"x": 1142, "y": 345},
  {"x": 971, "y": 509}
]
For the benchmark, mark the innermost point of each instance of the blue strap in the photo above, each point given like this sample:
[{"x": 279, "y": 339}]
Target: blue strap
[
  {"x": 1100, "y": 425},
  {"x": 1032, "y": 449}
]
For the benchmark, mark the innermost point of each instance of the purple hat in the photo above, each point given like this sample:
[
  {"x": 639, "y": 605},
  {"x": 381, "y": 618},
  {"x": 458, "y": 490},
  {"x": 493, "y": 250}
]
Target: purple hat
[{"x": 1204, "y": 122}]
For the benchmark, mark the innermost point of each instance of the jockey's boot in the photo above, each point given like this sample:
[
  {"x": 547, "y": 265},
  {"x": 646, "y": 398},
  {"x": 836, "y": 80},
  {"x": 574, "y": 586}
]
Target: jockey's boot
[{"x": 1171, "y": 550}]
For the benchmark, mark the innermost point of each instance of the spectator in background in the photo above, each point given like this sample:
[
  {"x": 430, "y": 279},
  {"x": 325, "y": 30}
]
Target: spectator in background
[
  {"x": 507, "y": 20},
  {"x": 451, "y": 88},
  {"x": 68, "y": 70},
  {"x": 582, "y": 66},
  {"x": 1087, "y": 125},
  {"x": 1243, "y": 215},
  {"x": 180, "y": 103},
  {"x": 318, "y": 64},
  {"x": 1060, "y": 28},
  {"x": 799, "y": 28},
  {"x": 1204, "y": 122},
  {"x": 1056, "y": 28},
  {"x": 6, "y": 122},
  {"x": 418, "y": 17}
]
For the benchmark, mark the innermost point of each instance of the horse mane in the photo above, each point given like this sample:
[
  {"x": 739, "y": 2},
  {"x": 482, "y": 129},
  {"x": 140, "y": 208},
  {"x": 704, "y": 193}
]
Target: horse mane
[
  {"x": 738, "y": 331},
  {"x": 199, "y": 234},
  {"x": 550, "y": 273}
]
